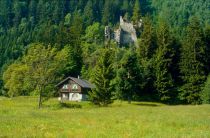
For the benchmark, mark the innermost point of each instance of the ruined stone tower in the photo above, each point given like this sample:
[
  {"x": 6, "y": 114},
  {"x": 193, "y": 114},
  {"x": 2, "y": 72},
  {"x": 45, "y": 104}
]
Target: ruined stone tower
[{"x": 124, "y": 35}]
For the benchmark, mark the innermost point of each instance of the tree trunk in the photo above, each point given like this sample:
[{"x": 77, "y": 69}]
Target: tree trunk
[
  {"x": 40, "y": 98},
  {"x": 129, "y": 99}
]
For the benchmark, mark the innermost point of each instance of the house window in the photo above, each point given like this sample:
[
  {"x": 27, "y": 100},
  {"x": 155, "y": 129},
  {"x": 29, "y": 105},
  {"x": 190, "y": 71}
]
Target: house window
[
  {"x": 65, "y": 86},
  {"x": 74, "y": 87}
]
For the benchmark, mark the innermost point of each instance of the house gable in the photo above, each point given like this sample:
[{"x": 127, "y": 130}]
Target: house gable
[{"x": 74, "y": 85}]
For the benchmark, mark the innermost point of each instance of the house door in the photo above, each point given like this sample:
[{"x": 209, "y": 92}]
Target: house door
[{"x": 65, "y": 96}]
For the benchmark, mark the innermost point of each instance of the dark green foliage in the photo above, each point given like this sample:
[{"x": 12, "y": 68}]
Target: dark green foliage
[
  {"x": 147, "y": 43},
  {"x": 164, "y": 82},
  {"x": 207, "y": 42},
  {"x": 129, "y": 77},
  {"x": 136, "y": 12},
  {"x": 178, "y": 12},
  {"x": 107, "y": 12},
  {"x": 146, "y": 51},
  {"x": 89, "y": 13},
  {"x": 102, "y": 78},
  {"x": 193, "y": 63}
]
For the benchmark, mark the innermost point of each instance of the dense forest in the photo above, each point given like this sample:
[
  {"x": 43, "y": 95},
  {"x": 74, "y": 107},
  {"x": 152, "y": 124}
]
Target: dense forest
[{"x": 42, "y": 42}]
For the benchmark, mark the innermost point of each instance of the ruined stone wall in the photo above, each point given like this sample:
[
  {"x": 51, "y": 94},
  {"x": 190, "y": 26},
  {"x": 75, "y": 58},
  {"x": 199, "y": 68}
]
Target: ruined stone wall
[{"x": 125, "y": 34}]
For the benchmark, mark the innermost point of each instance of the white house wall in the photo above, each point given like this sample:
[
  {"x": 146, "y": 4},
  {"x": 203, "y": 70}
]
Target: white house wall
[{"x": 77, "y": 97}]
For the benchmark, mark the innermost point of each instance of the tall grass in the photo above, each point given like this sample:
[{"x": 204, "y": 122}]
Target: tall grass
[{"x": 20, "y": 117}]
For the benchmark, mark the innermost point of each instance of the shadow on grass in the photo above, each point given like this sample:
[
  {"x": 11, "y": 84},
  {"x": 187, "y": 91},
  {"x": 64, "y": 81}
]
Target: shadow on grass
[
  {"x": 69, "y": 105},
  {"x": 62, "y": 106},
  {"x": 146, "y": 104}
]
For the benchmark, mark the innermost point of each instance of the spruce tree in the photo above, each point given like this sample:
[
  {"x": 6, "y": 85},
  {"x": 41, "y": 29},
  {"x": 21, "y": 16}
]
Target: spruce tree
[
  {"x": 207, "y": 41},
  {"x": 162, "y": 63},
  {"x": 147, "y": 42},
  {"x": 192, "y": 64},
  {"x": 129, "y": 77},
  {"x": 108, "y": 12},
  {"x": 102, "y": 77},
  {"x": 125, "y": 6},
  {"x": 88, "y": 13},
  {"x": 146, "y": 50}
]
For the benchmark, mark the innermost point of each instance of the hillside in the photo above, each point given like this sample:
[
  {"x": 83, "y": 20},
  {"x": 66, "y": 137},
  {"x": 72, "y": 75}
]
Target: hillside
[
  {"x": 178, "y": 12},
  {"x": 23, "y": 22}
]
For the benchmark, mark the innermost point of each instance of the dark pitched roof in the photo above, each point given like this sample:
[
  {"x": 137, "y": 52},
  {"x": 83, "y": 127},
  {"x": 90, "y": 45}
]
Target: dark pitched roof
[{"x": 81, "y": 82}]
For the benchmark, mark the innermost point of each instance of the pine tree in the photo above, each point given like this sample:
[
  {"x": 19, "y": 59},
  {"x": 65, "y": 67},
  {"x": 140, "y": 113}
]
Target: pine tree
[
  {"x": 107, "y": 14},
  {"x": 162, "y": 63},
  {"x": 146, "y": 50},
  {"x": 136, "y": 12},
  {"x": 125, "y": 6},
  {"x": 129, "y": 77},
  {"x": 192, "y": 64},
  {"x": 88, "y": 13},
  {"x": 75, "y": 40},
  {"x": 58, "y": 12},
  {"x": 32, "y": 8},
  {"x": 147, "y": 43},
  {"x": 102, "y": 77},
  {"x": 207, "y": 41}
]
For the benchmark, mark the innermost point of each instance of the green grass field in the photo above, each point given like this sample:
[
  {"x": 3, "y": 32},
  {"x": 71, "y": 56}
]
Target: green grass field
[{"x": 19, "y": 117}]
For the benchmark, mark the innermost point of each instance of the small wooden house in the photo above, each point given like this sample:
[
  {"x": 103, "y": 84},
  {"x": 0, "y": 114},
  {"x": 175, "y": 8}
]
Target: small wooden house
[{"x": 74, "y": 89}]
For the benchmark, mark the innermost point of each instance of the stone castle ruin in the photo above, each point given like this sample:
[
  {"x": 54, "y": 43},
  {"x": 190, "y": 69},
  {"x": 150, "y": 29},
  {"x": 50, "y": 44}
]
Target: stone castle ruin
[{"x": 125, "y": 34}]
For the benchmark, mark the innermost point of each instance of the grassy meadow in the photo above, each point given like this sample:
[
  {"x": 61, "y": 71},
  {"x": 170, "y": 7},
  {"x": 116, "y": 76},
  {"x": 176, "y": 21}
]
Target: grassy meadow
[{"x": 20, "y": 117}]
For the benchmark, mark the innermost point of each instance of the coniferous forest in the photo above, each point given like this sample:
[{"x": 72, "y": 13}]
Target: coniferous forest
[{"x": 42, "y": 42}]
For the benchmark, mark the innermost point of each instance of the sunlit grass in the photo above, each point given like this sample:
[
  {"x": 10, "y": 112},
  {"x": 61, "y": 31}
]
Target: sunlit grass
[{"x": 20, "y": 117}]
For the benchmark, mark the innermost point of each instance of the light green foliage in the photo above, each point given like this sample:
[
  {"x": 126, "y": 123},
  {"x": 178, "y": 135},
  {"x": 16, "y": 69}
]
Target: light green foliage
[
  {"x": 14, "y": 78},
  {"x": 37, "y": 71},
  {"x": 205, "y": 95},
  {"x": 102, "y": 78},
  {"x": 91, "y": 46},
  {"x": 67, "y": 20},
  {"x": 19, "y": 117},
  {"x": 94, "y": 33}
]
